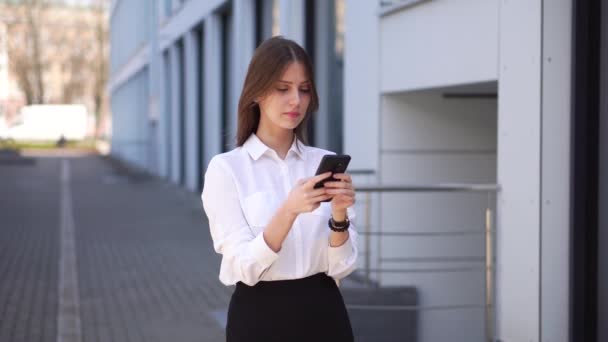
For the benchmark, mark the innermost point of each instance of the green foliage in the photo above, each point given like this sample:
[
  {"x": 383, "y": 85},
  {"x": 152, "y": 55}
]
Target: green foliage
[{"x": 36, "y": 144}]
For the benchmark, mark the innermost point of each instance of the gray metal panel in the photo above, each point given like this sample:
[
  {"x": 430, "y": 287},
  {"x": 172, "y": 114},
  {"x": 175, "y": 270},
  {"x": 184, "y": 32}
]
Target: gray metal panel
[
  {"x": 129, "y": 31},
  {"x": 176, "y": 95},
  {"x": 361, "y": 85},
  {"x": 164, "y": 122},
  {"x": 242, "y": 45},
  {"x": 555, "y": 170},
  {"x": 213, "y": 88},
  {"x": 154, "y": 101},
  {"x": 229, "y": 104},
  {"x": 519, "y": 174},
  {"x": 192, "y": 117},
  {"x": 189, "y": 15},
  {"x": 324, "y": 37},
  {"x": 291, "y": 20}
]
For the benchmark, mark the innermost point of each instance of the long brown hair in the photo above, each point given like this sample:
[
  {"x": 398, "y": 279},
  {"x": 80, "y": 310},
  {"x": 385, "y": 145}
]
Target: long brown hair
[{"x": 267, "y": 65}]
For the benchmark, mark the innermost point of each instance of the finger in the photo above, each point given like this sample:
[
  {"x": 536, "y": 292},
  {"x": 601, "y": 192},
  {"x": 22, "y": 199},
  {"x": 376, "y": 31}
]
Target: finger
[
  {"x": 346, "y": 192},
  {"x": 343, "y": 177},
  {"x": 321, "y": 198},
  {"x": 340, "y": 191},
  {"x": 336, "y": 184},
  {"x": 316, "y": 192},
  {"x": 314, "y": 180}
]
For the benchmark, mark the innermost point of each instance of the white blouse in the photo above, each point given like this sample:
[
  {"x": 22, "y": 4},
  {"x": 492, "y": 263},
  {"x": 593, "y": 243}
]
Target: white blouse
[{"x": 243, "y": 189}]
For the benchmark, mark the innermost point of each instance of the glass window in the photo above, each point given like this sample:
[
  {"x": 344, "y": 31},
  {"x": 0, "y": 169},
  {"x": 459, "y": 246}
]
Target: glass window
[
  {"x": 226, "y": 76},
  {"x": 267, "y": 19},
  {"x": 181, "y": 60}
]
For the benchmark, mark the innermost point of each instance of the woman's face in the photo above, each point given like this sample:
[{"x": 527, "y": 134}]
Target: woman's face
[{"x": 286, "y": 103}]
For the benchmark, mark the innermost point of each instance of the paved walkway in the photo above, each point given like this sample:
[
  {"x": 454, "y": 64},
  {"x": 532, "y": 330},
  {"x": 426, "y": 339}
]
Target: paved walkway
[{"x": 144, "y": 268}]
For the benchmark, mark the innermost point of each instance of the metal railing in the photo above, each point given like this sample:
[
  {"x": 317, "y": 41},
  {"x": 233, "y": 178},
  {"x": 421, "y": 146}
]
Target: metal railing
[
  {"x": 387, "y": 7},
  {"x": 490, "y": 190}
]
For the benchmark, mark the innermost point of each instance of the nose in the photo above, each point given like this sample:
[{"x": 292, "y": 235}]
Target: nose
[{"x": 295, "y": 99}]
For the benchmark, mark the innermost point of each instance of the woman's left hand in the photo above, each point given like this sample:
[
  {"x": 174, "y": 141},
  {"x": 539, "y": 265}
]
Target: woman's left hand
[{"x": 342, "y": 190}]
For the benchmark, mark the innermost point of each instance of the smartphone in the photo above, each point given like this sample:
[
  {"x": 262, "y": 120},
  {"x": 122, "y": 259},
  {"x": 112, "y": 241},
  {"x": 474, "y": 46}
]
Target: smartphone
[{"x": 336, "y": 163}]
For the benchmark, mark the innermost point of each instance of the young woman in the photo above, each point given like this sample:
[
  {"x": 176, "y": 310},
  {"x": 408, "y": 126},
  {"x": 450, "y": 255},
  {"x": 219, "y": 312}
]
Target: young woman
[{"x": 281, "y": 245}]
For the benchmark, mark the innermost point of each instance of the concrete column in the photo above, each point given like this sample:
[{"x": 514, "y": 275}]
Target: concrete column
[
  {"x": 154, "y": 72},
  {"x": 519, "y": 171},
  {"x": 212, "y": 105},
  {"x": 361, "y": 85},
  {"x": 175, "y": 118},
  {"x": 164, "y": 120},
  {"x": 533, "y": 222},
  {"x": 243, "y": 45},
  {"x": 175, "y": 4},
  {"x": 291, "y": 19},
  {"x": 160, "y": 13},
  {"x": 324, "y": 38},
  {"x": 555, "y": 174},
  {"x": 192, "y": 117}
]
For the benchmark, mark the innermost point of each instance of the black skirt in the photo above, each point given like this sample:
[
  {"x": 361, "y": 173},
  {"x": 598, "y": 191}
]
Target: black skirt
[{"x": 308, "y": 309}]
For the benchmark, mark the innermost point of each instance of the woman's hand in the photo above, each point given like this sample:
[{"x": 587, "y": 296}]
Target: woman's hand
[
  {"x": 343, "y": 194},
  {"x": 303, "y": 198}
]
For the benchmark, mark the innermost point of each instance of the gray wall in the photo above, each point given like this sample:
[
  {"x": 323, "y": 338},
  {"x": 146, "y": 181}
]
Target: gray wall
[
  {"x": 519, "y": 172},
  {"x": 555, "y": 171},
  {"x": 361, "y": 85},
  {"x": 457, "y": 38},
  {"x": 429, "y": 139},
  {"x": 130, "y": 122},
  {"x": 532, "y": 276},
  {"x": 128, "y": 32}
]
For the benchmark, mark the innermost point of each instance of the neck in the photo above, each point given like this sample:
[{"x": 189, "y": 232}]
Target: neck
[{"x": 279, "y": 141}]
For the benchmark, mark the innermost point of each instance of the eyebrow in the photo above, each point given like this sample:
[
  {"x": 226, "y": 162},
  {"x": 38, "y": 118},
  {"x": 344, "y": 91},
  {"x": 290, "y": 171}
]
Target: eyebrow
[{"x": 307, "y": 81}]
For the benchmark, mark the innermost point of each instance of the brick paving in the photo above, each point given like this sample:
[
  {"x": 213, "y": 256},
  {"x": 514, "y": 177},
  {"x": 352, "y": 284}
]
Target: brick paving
[
  {"x": 146, "y": 267},
  {"x": 29, "y": 228}
]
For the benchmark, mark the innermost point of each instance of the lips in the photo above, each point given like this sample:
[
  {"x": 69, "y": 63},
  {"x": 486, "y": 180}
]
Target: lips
[{"x": 293, "y": 115}]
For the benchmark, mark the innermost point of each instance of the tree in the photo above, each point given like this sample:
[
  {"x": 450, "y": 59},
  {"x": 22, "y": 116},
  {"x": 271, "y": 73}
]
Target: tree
[
  {"x": 58, "y": 53},
  {"x": 101, "y": 75},
  {"x": 24, "y": 50}
]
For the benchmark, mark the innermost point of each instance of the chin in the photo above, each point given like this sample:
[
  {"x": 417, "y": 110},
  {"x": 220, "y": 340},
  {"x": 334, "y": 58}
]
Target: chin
[{"x": 290, "y": 125}]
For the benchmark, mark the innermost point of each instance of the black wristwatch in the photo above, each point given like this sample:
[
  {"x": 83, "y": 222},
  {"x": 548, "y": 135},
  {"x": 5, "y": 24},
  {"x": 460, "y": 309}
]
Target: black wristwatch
[{"x": 338, "y": 226}]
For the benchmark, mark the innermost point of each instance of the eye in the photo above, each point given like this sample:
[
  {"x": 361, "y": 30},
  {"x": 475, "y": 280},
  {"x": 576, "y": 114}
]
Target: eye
[
  {"x": 282, "y": 89},
  {"x": 306, "y": 90}
]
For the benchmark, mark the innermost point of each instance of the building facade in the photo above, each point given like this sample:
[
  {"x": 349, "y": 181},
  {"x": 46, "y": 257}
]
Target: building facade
[
  {"x": 177, "y": 76},
  {"x": 426, "y": 93}
]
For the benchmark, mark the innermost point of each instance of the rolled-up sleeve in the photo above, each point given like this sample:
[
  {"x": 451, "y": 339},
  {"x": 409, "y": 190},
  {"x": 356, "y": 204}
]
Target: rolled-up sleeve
[
  {"x": 343, "y": 259},
  {"x": 245, "y": 256}
]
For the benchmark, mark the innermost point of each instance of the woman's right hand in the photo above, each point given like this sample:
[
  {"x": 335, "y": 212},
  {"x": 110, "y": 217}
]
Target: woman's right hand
[{"x": 304, "y": 198}]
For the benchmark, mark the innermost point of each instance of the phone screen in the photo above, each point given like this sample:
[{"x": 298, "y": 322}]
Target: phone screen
[{"x": 336, "y": 163}]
